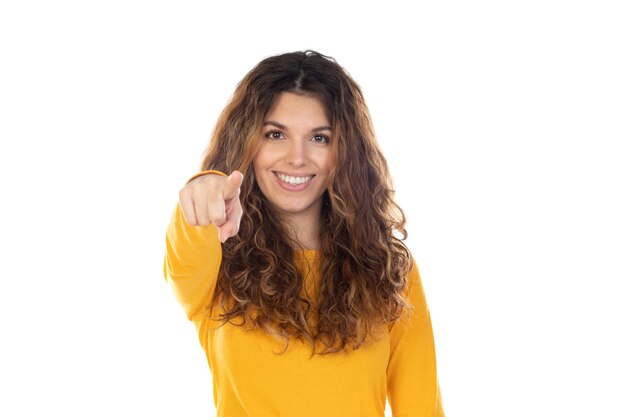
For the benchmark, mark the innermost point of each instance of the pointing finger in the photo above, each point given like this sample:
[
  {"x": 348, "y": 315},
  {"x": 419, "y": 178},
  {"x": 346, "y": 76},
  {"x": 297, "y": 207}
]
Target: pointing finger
[{"x": 233, "y": 218}]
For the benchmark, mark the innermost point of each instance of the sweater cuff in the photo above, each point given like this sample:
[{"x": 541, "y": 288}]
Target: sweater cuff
[{"x": 210, "y": 171}]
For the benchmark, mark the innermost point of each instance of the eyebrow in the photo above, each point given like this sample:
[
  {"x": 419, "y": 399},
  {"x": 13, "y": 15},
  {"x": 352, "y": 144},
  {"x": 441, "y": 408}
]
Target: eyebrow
[{"x": 282, "y": 126}]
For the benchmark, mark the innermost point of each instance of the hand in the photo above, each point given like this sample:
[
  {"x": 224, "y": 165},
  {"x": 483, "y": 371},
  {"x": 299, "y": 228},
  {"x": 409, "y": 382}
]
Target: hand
[{"x": 213, "y": 199}]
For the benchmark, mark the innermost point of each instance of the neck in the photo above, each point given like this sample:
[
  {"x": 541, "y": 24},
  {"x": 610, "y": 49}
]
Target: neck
[{"x": 304, "y": 228}]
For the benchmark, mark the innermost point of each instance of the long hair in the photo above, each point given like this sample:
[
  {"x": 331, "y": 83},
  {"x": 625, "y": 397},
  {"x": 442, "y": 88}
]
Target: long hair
[{"x": 363, "y": 262}]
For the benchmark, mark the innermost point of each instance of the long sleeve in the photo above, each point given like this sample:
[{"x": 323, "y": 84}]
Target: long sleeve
[
  {"x": 412, "y": 386},
  {"x": 192, "y": 260}
]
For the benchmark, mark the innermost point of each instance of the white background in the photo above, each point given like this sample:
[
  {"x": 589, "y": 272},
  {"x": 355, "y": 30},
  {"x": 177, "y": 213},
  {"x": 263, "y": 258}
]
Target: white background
[{"x": 503, "y": 123}]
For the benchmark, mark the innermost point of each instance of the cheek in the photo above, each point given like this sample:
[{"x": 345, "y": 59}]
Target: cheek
[
  {"x": 260, "y": 166},
  {"x": 258, "y": 162},
  {"x": 262, "y": 158},
  {"x": 326, "y": 161}
]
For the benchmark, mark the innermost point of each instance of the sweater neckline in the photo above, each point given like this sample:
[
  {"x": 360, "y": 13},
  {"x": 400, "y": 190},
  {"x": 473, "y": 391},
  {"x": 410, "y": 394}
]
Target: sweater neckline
[{"x": 306, "y": 253}]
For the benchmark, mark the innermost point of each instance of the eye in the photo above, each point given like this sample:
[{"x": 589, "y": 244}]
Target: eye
[
  {"x": 274, "y": 134},
  {"x": 320, "y": 139}
]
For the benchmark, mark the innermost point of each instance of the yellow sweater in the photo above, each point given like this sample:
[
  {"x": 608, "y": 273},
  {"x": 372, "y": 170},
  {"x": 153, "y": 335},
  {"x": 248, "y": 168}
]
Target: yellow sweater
[{"x": 249, "y": 379}]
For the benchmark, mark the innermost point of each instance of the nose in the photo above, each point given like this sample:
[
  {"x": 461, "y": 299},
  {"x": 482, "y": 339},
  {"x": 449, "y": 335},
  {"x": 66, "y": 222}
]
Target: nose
[{"x": 296, "y": 154}]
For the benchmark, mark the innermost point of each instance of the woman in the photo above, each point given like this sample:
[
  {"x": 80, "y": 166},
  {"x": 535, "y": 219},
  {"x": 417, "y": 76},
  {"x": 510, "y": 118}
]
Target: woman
[{"x": 286, "y": 251}]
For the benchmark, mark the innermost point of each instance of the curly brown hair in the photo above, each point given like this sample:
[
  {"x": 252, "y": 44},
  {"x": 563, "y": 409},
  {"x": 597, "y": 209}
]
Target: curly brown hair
[{"x": 362, "y": 259}]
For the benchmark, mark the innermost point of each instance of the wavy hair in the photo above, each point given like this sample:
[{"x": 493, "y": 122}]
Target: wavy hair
[{"x": 363, "y": 262}]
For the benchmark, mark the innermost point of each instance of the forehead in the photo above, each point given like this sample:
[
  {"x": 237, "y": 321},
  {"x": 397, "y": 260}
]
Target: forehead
[{"x": 300, "y": 109}]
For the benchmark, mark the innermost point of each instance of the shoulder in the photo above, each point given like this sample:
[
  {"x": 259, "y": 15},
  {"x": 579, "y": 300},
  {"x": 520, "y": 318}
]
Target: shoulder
[{"x": 414, "y": 291}]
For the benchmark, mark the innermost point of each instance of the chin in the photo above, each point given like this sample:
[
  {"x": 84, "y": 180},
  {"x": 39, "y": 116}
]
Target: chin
[
  {"x": 291, "y": 209},
  {"x": 296, "y": 208}
]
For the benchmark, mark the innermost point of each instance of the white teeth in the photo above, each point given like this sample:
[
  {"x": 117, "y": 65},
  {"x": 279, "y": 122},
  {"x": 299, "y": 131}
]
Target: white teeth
[{"x": 294, "y": 180}]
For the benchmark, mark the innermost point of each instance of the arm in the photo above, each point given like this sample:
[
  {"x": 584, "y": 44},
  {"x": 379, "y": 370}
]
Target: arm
[
  {"x": 412, "y": 386},
  {"x": 193, "y": 251},
  {"x": 192, "y": 260}
]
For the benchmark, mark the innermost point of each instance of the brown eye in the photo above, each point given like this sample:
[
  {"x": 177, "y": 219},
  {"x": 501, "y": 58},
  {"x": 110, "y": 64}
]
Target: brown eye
[
  {"x": 274, "y": 134},
  {"x": 320, "y": 139}
]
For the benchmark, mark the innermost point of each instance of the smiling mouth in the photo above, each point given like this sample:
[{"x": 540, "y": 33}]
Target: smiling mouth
[{"x": 293, "y": 180}]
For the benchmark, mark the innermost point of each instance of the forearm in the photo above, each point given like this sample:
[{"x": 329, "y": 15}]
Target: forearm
[{"x": 192, "y": 260}]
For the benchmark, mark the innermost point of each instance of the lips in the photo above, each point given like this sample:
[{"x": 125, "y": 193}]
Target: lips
[{"x": 293, "y": 182}]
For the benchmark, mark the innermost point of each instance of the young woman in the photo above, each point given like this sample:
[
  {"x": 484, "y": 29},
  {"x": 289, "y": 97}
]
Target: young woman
[{"x": 286, "y": 251}]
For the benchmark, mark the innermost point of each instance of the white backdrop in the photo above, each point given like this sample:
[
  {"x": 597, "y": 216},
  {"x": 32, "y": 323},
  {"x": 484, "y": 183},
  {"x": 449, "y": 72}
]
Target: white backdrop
[{"x": 503, "y": 123}]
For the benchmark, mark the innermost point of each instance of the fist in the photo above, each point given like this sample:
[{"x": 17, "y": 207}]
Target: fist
[{"x": 213, "y": 199}]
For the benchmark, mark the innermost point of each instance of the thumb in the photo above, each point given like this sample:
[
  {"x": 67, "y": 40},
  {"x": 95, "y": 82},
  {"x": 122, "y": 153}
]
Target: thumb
[{"x": 233, "y": 183}]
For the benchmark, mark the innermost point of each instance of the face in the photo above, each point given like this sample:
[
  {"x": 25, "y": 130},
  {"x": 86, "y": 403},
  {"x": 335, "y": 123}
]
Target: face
[{"x": 295, "y": 158}]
